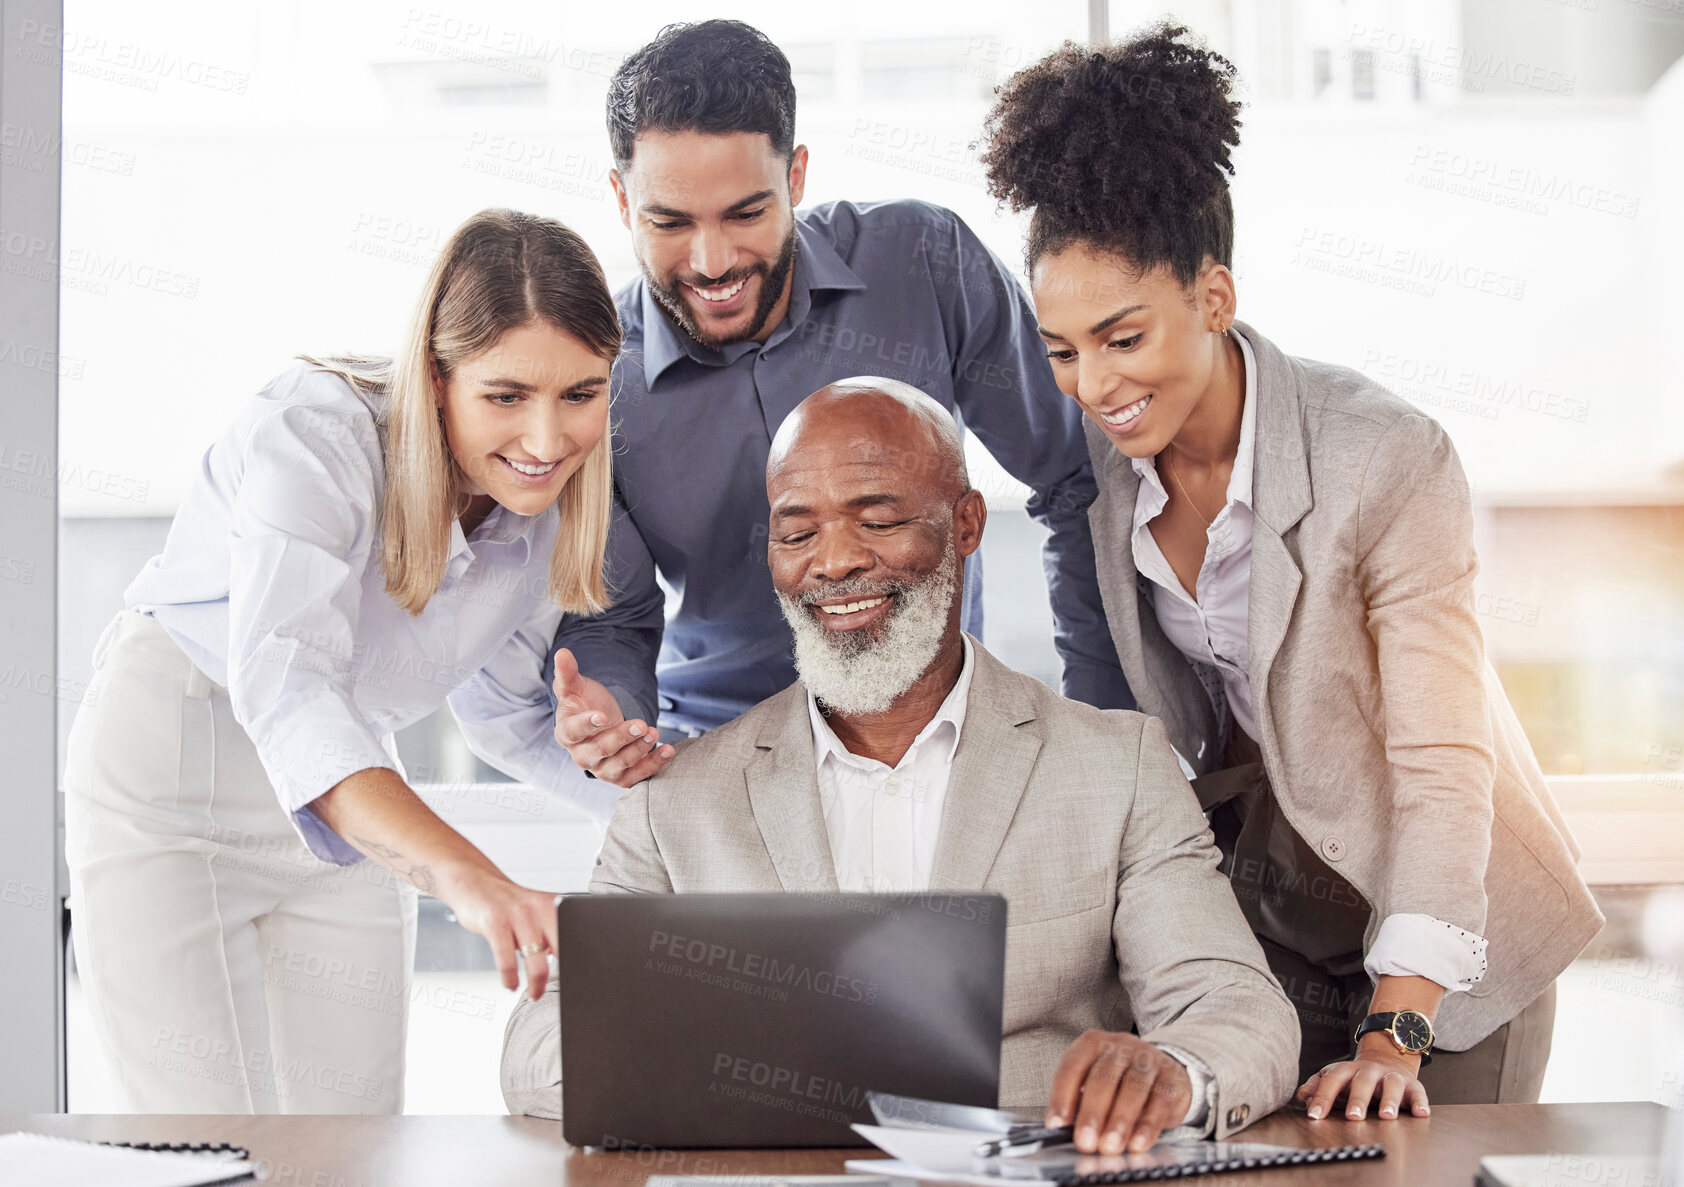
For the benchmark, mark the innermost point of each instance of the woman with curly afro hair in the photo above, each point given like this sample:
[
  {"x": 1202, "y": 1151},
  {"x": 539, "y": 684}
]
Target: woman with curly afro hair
[{"x": 1285, "y": 551}]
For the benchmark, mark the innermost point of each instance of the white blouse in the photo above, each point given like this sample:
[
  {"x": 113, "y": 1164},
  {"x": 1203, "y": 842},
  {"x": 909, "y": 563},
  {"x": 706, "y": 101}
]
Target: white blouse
[
  {"x": 271, "y": 583},
  {"x": 1214, "y": 626},
  {"x": 883, "y": 821}
]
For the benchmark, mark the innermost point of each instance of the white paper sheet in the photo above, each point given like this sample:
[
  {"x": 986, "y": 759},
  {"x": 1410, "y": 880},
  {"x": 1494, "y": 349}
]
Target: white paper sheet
[
  {"x": 894, "y": 1168},
  {"x": 948, "y": 1150}
]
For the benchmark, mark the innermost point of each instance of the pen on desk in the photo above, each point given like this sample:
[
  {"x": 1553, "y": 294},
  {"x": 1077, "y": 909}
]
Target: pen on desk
[{"x": 1024, "y": 1140}]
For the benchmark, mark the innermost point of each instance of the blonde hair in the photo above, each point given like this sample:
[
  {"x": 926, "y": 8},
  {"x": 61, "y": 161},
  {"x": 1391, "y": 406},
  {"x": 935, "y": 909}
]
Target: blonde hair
[{"x": 500, "y": 270}]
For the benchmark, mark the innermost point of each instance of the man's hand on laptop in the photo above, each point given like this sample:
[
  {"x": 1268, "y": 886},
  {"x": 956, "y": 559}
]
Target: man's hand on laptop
[
  {"x": 588, "y": 722},
  {"x": 1119, "y": 1091}
]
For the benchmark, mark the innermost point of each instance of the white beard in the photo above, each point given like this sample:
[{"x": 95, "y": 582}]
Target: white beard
[{"x": 864, "y": 672}]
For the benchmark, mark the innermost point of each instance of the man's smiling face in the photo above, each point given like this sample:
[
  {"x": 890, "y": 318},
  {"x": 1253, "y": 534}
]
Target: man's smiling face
[
  {"x": 712, "y": 219},
  {"x": 851, "y": 528},
  {"x": 871, "y": 518}
]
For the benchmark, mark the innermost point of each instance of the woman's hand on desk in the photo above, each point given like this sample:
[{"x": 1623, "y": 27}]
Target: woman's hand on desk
[
  {"x": 589, "y": 724},
  {"x": 1379, "y": 1069},
  {"x": 1119, "y": 1091}
]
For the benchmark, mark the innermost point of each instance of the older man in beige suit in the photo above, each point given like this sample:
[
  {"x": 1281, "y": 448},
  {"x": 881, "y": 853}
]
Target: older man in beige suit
[{"x": 908, "y": 758}]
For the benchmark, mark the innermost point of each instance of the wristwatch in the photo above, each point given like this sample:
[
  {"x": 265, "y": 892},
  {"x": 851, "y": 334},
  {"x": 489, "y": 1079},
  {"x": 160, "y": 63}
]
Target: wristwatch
[{"x": 1408, "y": 1029}]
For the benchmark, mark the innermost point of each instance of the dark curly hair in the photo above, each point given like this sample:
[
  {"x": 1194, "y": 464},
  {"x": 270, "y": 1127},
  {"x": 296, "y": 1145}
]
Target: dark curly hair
[
  {"x": 1125, "y": 148},
  {"x": 710, "y": 76}
]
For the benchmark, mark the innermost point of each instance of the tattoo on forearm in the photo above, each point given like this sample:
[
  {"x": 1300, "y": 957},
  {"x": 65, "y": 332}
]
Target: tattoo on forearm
[
  {"x": 419, "y": 876},
  {"x": 376, "y": 849}
]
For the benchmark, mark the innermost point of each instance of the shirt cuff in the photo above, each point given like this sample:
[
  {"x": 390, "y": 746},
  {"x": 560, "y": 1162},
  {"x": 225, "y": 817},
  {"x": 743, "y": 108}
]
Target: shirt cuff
[
  {"x": 630, "y": 707},
  {"x": 1201, "y": 1114},
  {"x": 324, "y": 844},
  {"x": 1421, "y": 946},
  {"x": 306, "y": 749}
]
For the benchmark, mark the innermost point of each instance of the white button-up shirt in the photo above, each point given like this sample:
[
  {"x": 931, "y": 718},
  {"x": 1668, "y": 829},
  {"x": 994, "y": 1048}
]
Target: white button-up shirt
[
  {"x": 1213, "y": 625},
  {"x": 271, "y": 583},
  {"x": 883, "y": 821}
]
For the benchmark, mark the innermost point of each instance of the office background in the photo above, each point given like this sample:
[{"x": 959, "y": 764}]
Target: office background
[{"x": 1473, "y": 201}]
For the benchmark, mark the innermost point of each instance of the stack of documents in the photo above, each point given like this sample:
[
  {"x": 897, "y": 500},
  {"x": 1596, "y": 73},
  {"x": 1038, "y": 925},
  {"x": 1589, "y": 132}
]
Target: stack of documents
[{"x": 930, "y": 1140}]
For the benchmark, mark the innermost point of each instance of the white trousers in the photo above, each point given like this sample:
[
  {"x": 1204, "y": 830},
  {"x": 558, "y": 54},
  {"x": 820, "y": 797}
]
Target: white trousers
[{"x": 226, "y": 969}]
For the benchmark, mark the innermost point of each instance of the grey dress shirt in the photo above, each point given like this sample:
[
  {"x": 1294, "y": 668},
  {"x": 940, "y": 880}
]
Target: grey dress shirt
[{"x": 900, "y": 289}]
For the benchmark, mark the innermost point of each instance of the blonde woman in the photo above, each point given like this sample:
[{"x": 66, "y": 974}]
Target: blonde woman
[{"x": 369, "y": 540}]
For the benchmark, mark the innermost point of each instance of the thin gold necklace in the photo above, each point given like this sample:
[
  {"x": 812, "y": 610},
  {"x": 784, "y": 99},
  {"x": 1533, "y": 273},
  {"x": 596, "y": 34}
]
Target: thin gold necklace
[{"x": 1176, "y": 478}]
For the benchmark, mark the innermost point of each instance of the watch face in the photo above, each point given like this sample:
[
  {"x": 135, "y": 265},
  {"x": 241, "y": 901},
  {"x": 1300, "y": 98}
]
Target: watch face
[{"x": 1412, "y": 1031}]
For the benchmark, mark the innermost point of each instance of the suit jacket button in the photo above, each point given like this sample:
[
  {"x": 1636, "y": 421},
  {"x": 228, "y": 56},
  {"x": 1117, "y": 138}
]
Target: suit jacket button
[
  {"x": 1237, "y": 1116},
  {"x": 1332, "y": 848}
]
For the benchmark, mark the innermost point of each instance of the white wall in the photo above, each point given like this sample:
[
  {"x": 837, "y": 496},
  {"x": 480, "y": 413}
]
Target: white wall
[
  {"x": 1660, "y": 256},
  {"x": 1393, "y": 244},
  {"x": 1504, "y": 262}
]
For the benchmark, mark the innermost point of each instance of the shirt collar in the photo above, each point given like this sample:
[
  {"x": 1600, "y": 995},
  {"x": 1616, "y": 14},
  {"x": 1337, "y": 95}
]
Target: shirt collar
[
  {"x": 817, "y": 268},
  {"x": 952, "y": 713},
  {"x": 1245, "y": 456},
  {"x": 502, "y": 526}
]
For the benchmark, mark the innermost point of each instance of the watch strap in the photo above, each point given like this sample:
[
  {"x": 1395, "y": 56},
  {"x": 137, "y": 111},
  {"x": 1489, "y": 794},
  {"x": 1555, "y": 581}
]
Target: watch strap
[{"x": 1376, "y": 1022}]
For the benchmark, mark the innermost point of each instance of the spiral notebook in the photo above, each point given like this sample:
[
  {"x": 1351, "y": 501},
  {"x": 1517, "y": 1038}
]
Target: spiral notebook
[
  {"x": 36, "y": 1158},
  {"x": 933, "y": 1151},
  {"x": 1167, "y": 1160}
]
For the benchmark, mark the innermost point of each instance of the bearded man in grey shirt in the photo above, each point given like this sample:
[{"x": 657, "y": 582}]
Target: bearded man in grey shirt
[{"x": 744, "y": 306}]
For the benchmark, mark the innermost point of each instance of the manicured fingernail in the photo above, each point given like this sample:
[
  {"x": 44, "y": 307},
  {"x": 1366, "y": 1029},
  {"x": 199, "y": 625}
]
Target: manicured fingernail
[
  {"x": 1388, "y": 1112},
  {"x": 1355, "y": 1114},
  {"x": 1425, "y": 1111},
  {"x": 1315, "y": 1112}
]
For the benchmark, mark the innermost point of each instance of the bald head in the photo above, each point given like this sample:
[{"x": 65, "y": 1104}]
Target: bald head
[
  {"x": 876, "y": 419},
  {"x": 872, "y": 518}
]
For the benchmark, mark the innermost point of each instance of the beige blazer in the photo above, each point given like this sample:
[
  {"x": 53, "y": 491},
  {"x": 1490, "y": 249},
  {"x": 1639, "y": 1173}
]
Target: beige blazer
[
  {"x": 1385, "y": 733},
  {"x": 1080, "y": 818}
]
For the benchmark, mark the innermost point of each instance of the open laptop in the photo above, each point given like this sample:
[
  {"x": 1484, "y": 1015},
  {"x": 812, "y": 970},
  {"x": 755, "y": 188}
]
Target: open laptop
[{"x": 749, "y": 1020}]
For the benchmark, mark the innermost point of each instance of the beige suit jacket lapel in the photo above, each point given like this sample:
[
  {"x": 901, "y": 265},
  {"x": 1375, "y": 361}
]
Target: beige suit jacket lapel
[
  {"x": 991, "y": 770},
  {"x": 1281, "y": 496},
  {"x": 783, "y": 791},
  {"x": 1163, "y": 682}
]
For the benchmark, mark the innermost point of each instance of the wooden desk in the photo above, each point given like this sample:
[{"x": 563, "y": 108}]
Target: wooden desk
[{"x": 420, "y": 1151}]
